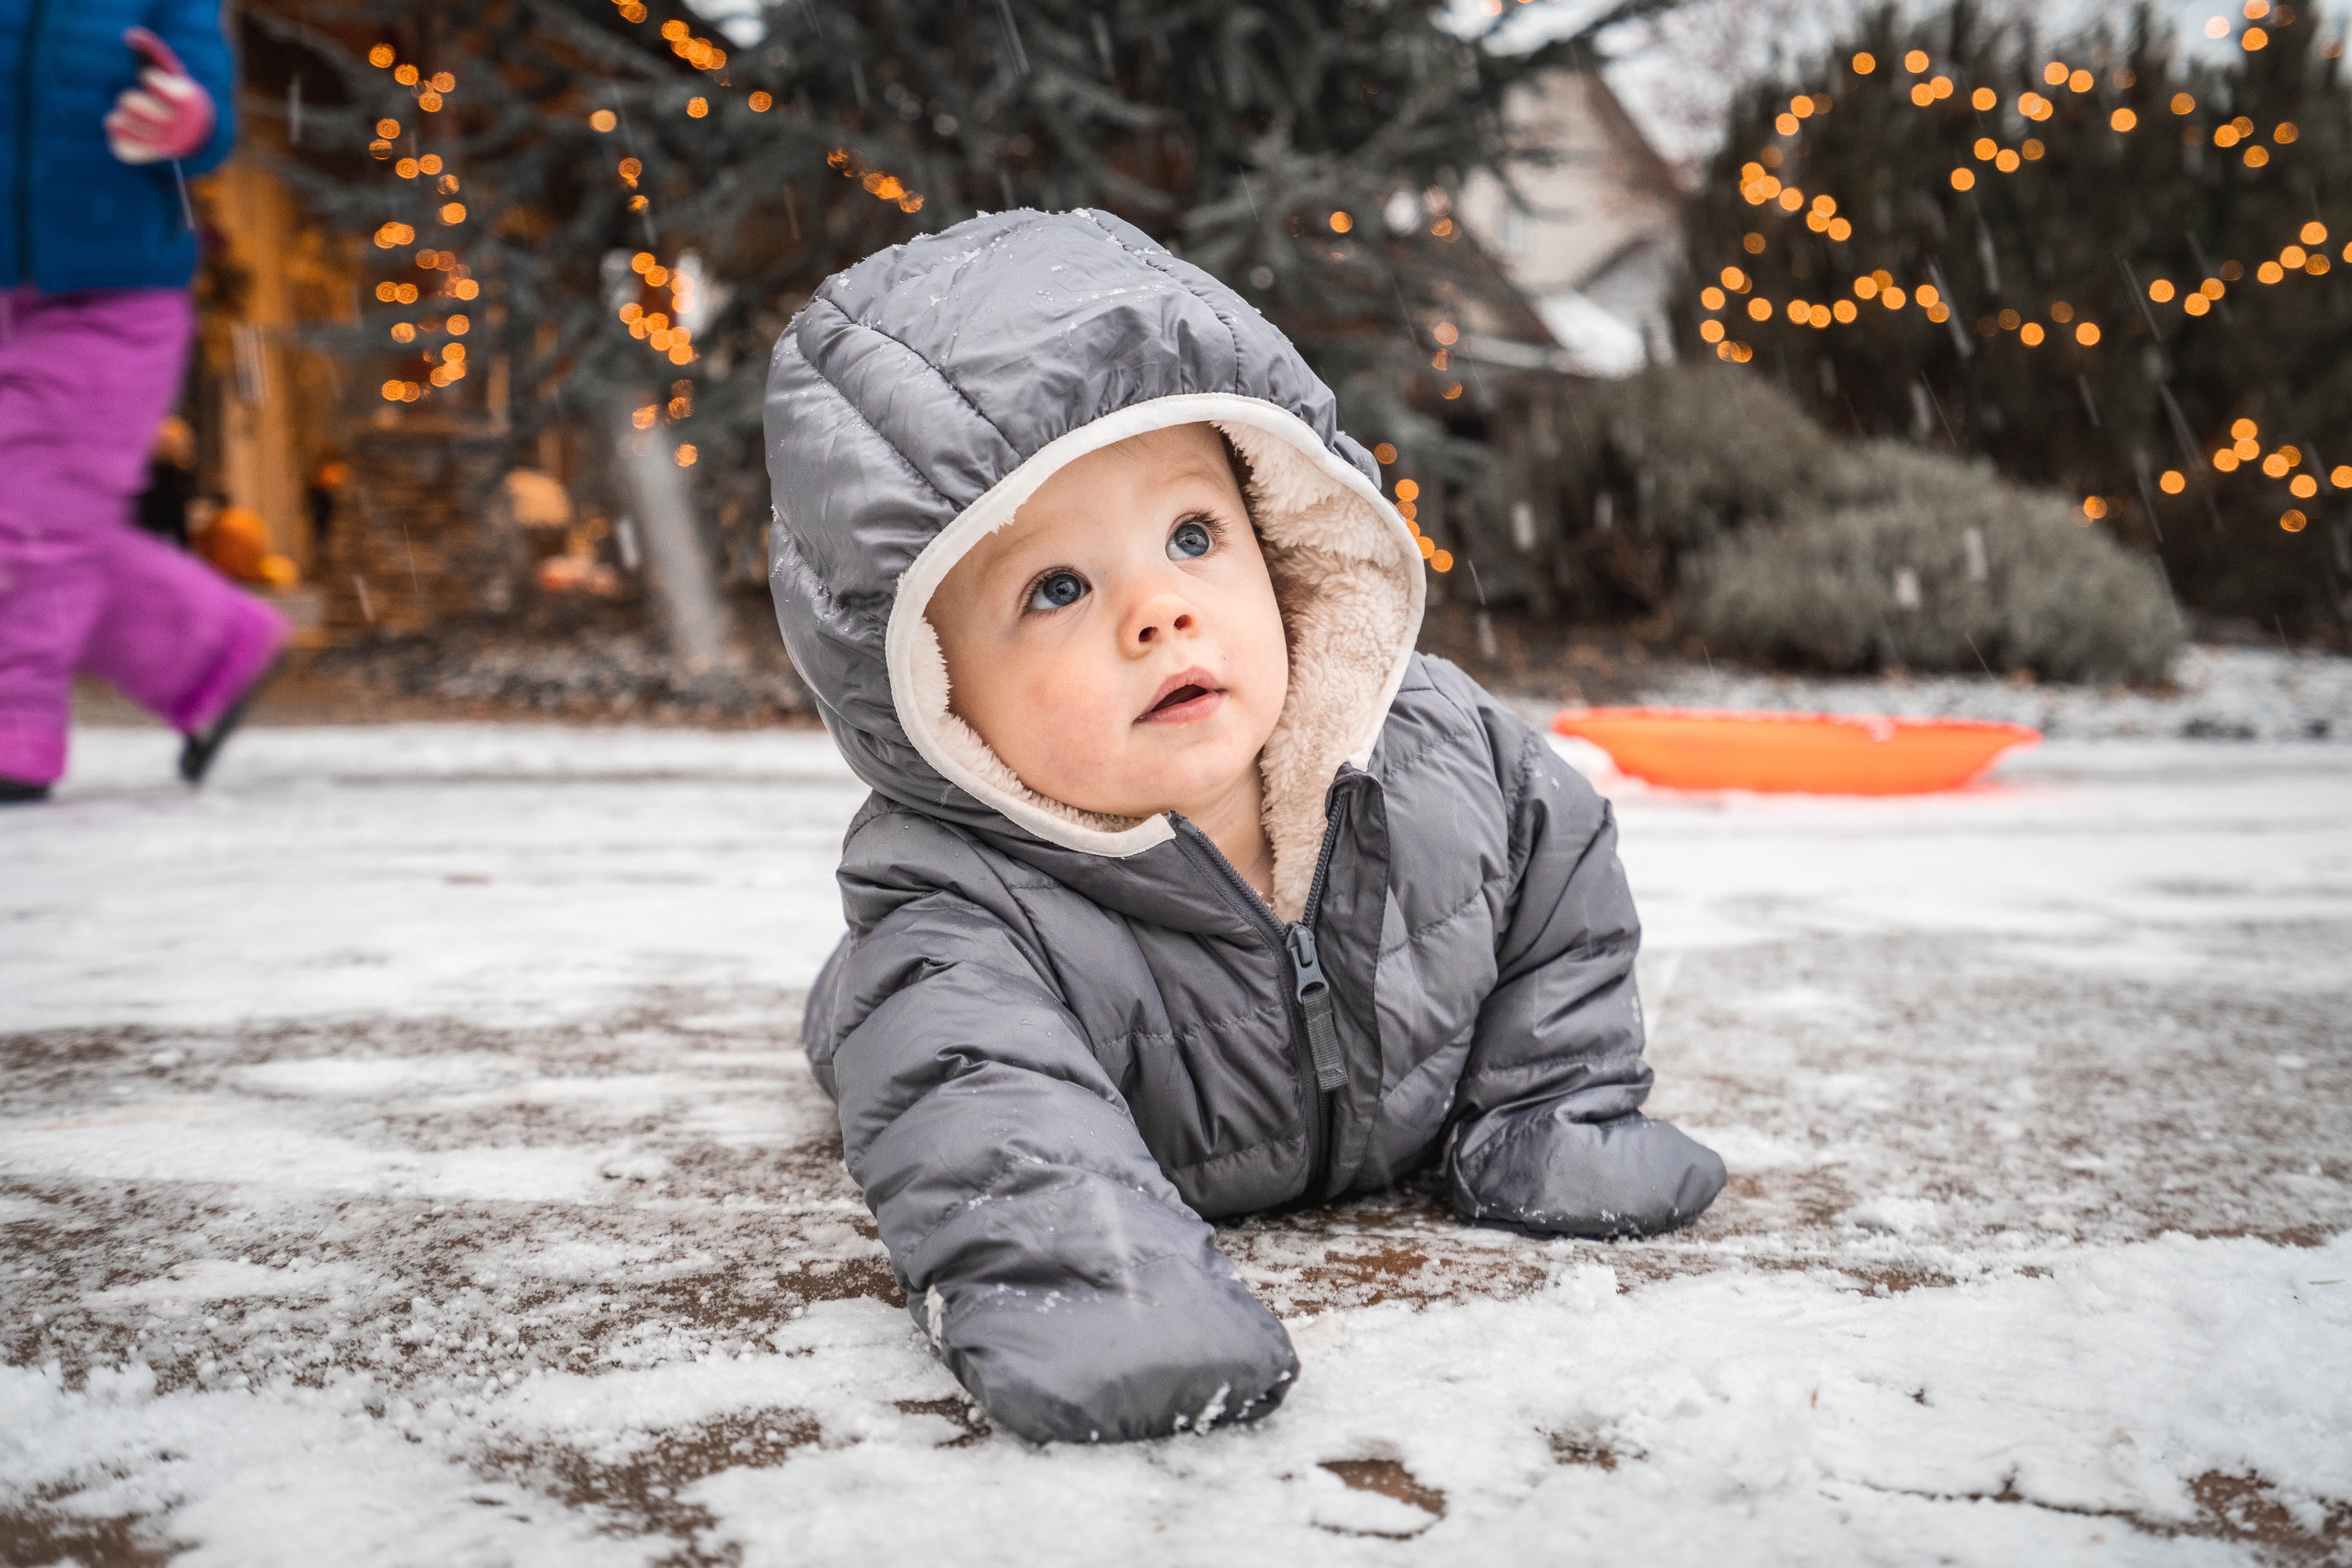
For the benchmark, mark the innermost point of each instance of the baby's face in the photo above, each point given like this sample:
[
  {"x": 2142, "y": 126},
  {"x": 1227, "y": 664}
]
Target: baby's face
[{"x": 1118, "y": 643}]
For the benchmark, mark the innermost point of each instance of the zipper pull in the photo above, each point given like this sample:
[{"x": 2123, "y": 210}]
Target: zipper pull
[{"x": 1314, "y": 994}]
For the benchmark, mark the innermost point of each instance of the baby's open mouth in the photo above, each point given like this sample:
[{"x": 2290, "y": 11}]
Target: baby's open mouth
[
  {"x": 1178, "y": 698},
  {"x": 1189, "y": 695}
]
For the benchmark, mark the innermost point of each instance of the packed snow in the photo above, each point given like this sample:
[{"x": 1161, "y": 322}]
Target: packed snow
[{"x": 406, "y": 1157}]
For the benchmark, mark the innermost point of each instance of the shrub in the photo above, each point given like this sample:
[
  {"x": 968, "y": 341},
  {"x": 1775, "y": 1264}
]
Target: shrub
[
  {"x": 1931, "y": 562},
  {"x": 1686, "y": 453}
]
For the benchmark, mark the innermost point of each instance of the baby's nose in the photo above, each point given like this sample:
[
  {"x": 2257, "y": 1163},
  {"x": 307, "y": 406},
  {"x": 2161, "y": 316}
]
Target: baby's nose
[
  {"x": 1180, "y": 622},
  {"x": 1158, "y": 618}
]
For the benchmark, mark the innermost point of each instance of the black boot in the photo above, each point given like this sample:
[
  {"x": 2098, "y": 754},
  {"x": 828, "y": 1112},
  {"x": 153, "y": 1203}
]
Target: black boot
[
  {"x": 16, "y": 792},
  {"x": 198, "y": 750}
]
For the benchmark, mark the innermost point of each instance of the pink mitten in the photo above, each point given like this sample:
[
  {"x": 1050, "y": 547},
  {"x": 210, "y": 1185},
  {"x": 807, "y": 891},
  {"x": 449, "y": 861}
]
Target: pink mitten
[{"x": 168, "y": 115}]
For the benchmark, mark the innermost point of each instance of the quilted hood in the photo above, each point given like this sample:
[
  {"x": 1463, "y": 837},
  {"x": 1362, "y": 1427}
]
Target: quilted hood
[{"x": 927, "y": 392}]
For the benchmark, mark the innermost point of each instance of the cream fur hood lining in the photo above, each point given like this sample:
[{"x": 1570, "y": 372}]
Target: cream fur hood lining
[{"x": 1347, "y": 571}]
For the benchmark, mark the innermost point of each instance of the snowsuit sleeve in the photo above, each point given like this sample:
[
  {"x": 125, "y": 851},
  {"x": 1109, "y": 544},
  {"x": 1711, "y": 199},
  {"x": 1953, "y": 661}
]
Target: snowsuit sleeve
[
  {"x": 1548, "y": 1137},
  {"x": 1063, "y": 1279},
  {"x": 193, "y": 29}
]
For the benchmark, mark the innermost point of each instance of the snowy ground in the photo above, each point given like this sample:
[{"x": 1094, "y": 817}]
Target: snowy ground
[{"x": 405, "y": 1158}]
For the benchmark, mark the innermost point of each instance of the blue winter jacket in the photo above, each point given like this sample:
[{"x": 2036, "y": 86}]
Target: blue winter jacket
[{"x": 77, "y": 216}]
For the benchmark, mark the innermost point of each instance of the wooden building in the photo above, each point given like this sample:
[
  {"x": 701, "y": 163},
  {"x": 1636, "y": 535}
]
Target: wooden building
[{"x": 1595, "y": 243}]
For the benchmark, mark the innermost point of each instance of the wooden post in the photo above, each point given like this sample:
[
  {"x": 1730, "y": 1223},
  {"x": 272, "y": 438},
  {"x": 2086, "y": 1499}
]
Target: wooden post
[{"x": 260, "y": 457}]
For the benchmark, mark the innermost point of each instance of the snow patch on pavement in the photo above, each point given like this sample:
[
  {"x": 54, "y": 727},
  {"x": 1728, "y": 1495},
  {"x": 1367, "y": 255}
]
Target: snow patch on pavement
[
  {"x": 1775, "y": 1412},
  {"x": 465, "y": 1197}
]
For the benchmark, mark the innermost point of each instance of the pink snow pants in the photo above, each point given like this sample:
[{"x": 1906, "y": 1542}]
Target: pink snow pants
[{"x": 85, "y": 378}]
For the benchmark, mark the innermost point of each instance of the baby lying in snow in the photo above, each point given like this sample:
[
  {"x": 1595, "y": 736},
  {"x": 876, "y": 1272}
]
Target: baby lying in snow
[{"x": 1187, "y": 887}]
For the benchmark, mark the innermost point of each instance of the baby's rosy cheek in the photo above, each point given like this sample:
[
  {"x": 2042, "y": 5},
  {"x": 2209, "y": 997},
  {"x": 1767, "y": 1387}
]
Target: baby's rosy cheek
[{"x": 1069, "y": 694}]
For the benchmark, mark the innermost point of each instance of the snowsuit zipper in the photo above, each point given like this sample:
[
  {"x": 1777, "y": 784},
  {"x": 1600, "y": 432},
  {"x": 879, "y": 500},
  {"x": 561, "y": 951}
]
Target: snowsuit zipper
[
  {"x": 25, "y": 77},
  {"x": 1314, "y": 994},
  {"x": 1314, "y": 1034}
]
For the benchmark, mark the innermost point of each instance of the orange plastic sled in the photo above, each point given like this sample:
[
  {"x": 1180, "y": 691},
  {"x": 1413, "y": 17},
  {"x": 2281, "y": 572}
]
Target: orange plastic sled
[{"x": 1810, "y": 754}]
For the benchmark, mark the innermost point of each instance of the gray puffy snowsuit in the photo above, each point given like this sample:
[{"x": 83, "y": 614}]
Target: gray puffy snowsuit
[{"x": 1059, "y": 1040}]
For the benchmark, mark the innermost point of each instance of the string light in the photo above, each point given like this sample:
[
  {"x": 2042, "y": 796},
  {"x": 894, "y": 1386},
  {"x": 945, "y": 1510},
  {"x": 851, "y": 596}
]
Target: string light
[
  {"x": 1760, "y": 188},
  {"x": 881, "y": 187},
  {"x": 451, "y": 366},
  {"x": 701, "y": 53}
]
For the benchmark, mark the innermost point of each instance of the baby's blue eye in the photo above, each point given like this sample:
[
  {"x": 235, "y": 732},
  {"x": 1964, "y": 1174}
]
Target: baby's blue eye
[
  {"x": 1189, "y": 542},
  {"x": 1056, "y": 591}
]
